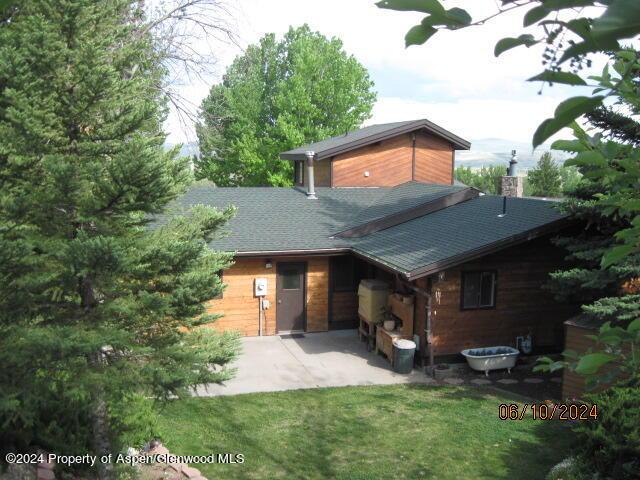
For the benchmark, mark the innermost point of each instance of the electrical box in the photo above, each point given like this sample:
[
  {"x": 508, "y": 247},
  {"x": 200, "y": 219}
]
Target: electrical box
[{"x": 260, "y": 287}]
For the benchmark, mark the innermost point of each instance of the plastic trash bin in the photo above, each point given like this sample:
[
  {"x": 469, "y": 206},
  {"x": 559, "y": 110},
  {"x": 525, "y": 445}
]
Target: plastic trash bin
[{"x": 403, "y": 352}]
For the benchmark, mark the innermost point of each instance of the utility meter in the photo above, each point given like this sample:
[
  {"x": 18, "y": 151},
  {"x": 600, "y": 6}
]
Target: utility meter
[{"x": 260, "y": 287}]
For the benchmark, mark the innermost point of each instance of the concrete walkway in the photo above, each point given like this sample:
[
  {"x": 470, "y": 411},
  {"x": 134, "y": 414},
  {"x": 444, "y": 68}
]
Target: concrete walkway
[{"x": 331, "y": 359}]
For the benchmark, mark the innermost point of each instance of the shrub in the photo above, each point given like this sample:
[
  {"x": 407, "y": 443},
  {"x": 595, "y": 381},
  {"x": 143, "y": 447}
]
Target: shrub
[
  {"x": 571, "y": 468},
  {"x": 612, "y": 442}
]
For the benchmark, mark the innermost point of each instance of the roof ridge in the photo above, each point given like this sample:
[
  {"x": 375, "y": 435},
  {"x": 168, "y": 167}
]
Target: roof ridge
[
  {"x": 405, "y": 215},
  {"x": 369, "y": 134}
]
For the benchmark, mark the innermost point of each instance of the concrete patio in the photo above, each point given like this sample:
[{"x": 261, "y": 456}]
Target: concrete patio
[{"x": 329, "y": 359}]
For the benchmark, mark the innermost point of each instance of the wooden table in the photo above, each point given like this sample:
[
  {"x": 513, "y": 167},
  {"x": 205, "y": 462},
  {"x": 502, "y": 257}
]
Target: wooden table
[{"x": 367, "y": 330}]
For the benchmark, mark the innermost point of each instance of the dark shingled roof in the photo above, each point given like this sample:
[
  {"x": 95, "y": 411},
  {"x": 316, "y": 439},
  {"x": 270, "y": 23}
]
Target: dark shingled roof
[
  {"x": 368, "y": 135},
  {"x": 272, "y": 220},
  {"x": 437, "y": 240}
]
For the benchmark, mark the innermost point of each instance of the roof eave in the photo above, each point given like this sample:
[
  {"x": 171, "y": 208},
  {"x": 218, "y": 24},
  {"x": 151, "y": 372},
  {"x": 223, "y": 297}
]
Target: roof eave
[
  {"x": 458, "y": 142},
  {"x": 309, "y": 251},
  {"x": 456, "y": 260}
]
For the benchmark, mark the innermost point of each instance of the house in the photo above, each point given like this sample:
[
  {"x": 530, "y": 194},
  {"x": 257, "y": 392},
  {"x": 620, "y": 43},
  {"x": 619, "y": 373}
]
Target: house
[{"x": 381, "y": 202}]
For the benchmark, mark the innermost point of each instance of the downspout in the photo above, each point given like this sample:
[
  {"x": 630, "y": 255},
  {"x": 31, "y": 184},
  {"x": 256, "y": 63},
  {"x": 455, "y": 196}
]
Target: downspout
[
  {"x": 429, "y": 326},
  {"x": 429, "y": 329}
]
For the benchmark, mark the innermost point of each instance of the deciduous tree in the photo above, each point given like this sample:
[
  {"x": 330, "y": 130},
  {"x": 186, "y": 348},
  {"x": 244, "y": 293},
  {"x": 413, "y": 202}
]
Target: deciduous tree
[{"x": 279, "y": 95}]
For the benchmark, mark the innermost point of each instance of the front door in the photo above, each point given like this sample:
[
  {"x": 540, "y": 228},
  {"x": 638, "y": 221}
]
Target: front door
[{"x": 290, "y": 294}]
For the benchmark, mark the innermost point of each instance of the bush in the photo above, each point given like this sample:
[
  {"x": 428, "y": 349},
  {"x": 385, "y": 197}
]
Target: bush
[
  {"x": 572, "y": 468},
  {"x": 612, "y": 442}
]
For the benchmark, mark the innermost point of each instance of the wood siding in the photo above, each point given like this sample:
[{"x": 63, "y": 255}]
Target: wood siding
[
  {"x": 573, "y": 385},
  {"x": 391, "y": 162},
  {"x": 344, "y": 308},
  {"x": 240, "y": 308},
  {"x": 388, "y": 163},
  {"x": 434, "y": 159},
  {"x": 322, "y": 173},
  {"x": 522, "y": 304}
]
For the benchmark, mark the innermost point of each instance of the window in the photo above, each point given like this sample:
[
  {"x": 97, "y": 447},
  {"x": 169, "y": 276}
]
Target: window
[
  {"x": 220, "y": 274},
  {"x": 343, "y": 274},
  {"x": 478, "y": 290},
  {"x": 290, "y": 278}
]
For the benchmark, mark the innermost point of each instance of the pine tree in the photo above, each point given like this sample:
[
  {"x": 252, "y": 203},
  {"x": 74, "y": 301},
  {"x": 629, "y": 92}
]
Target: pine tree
[
  {"x": 616, "y": 125},
  {"x": 545, "y": 179},
  {"x": 97, "y": 310},
  {"x": 610, "y": 293}
]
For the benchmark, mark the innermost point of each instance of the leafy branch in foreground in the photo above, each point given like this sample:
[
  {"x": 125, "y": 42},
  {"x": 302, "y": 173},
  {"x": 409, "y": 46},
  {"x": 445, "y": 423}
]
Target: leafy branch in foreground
[{"x": 568, "y": 38}]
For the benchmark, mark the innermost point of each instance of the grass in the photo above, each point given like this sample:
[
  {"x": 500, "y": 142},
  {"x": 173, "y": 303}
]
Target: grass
[{"x": 399, "y": 431}]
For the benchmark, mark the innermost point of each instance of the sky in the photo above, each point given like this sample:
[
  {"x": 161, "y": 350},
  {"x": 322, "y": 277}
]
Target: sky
[{"x": 453, "y": 80}]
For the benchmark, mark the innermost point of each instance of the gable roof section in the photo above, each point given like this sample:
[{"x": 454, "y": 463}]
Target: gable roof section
[
  {"x": 458, "y": 234},
  {"x": 273, "y": 221},
  {"x": 368, "y": 135}
]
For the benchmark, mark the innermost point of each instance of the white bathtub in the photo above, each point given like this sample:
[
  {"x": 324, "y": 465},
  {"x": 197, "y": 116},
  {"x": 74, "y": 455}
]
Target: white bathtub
[{"x": 491, "y": 358}]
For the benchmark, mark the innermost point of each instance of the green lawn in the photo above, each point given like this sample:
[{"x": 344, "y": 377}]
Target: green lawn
[{"x": 400, "y": 431}]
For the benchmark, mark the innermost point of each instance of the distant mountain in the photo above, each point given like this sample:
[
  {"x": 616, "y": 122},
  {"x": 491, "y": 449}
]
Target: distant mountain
[
  {"x": 484, "y": 152},
  {"x": 497, "y": 151}
]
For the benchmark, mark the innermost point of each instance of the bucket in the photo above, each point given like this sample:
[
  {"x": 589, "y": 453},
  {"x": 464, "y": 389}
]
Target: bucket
[{"x": 403, "y": 352}]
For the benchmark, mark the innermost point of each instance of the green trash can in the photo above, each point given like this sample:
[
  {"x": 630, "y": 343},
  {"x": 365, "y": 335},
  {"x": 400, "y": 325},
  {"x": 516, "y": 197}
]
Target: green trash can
[{"x": 403, "y": 352}]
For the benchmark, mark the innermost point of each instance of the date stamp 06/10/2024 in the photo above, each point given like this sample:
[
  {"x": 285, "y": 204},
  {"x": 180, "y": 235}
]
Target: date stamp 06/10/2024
[{"x": 545, "y": 411}]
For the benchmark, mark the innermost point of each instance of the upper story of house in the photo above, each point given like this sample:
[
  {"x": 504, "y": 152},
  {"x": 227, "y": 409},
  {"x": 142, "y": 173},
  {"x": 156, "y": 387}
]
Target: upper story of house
[{"x": 382, "y": 155}]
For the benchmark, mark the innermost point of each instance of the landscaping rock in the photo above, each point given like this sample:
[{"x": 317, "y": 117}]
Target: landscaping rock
[
  {"x": 507, "y": 381},
  {"x": 453, "y": 381},
  {"x": 481, "y": 381},
  {"x": 533, "y": 380},
  {"x": 442, "y": 371},
  {"x": 159, "y": 450},
  {"x": 191, "y": 472},
  {"x": 45, "y": 474}
]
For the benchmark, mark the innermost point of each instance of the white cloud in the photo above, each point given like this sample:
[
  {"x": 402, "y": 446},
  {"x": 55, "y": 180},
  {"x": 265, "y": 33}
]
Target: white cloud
[
  {"x": 454, "y": 80},
  {"x": 471, "y": 118}
]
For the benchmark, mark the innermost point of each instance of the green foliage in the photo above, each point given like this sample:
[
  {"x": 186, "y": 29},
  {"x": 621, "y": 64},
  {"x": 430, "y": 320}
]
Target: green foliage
[
  {"x": 508, "y": 43},
  {"x": 135, "y": 420},
  {"x": 569, "y": 178},
  {"x": 566, "y": 112},
  {"x": 93, "y": 304},
  {"x": 279, "y": 95},
  {"x": 571, "y": 468},
  {"x": 545, "y": 180},
  {"x": 612, "y": 443},
  {"x": 617, "y": 125},
  {"x": 486, "y": 179}
]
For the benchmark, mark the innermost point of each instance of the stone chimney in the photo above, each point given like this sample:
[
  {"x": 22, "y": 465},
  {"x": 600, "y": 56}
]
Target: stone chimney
[
  {"x": 311, "y": 191},
  {"x": 511, "y": 182}
]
